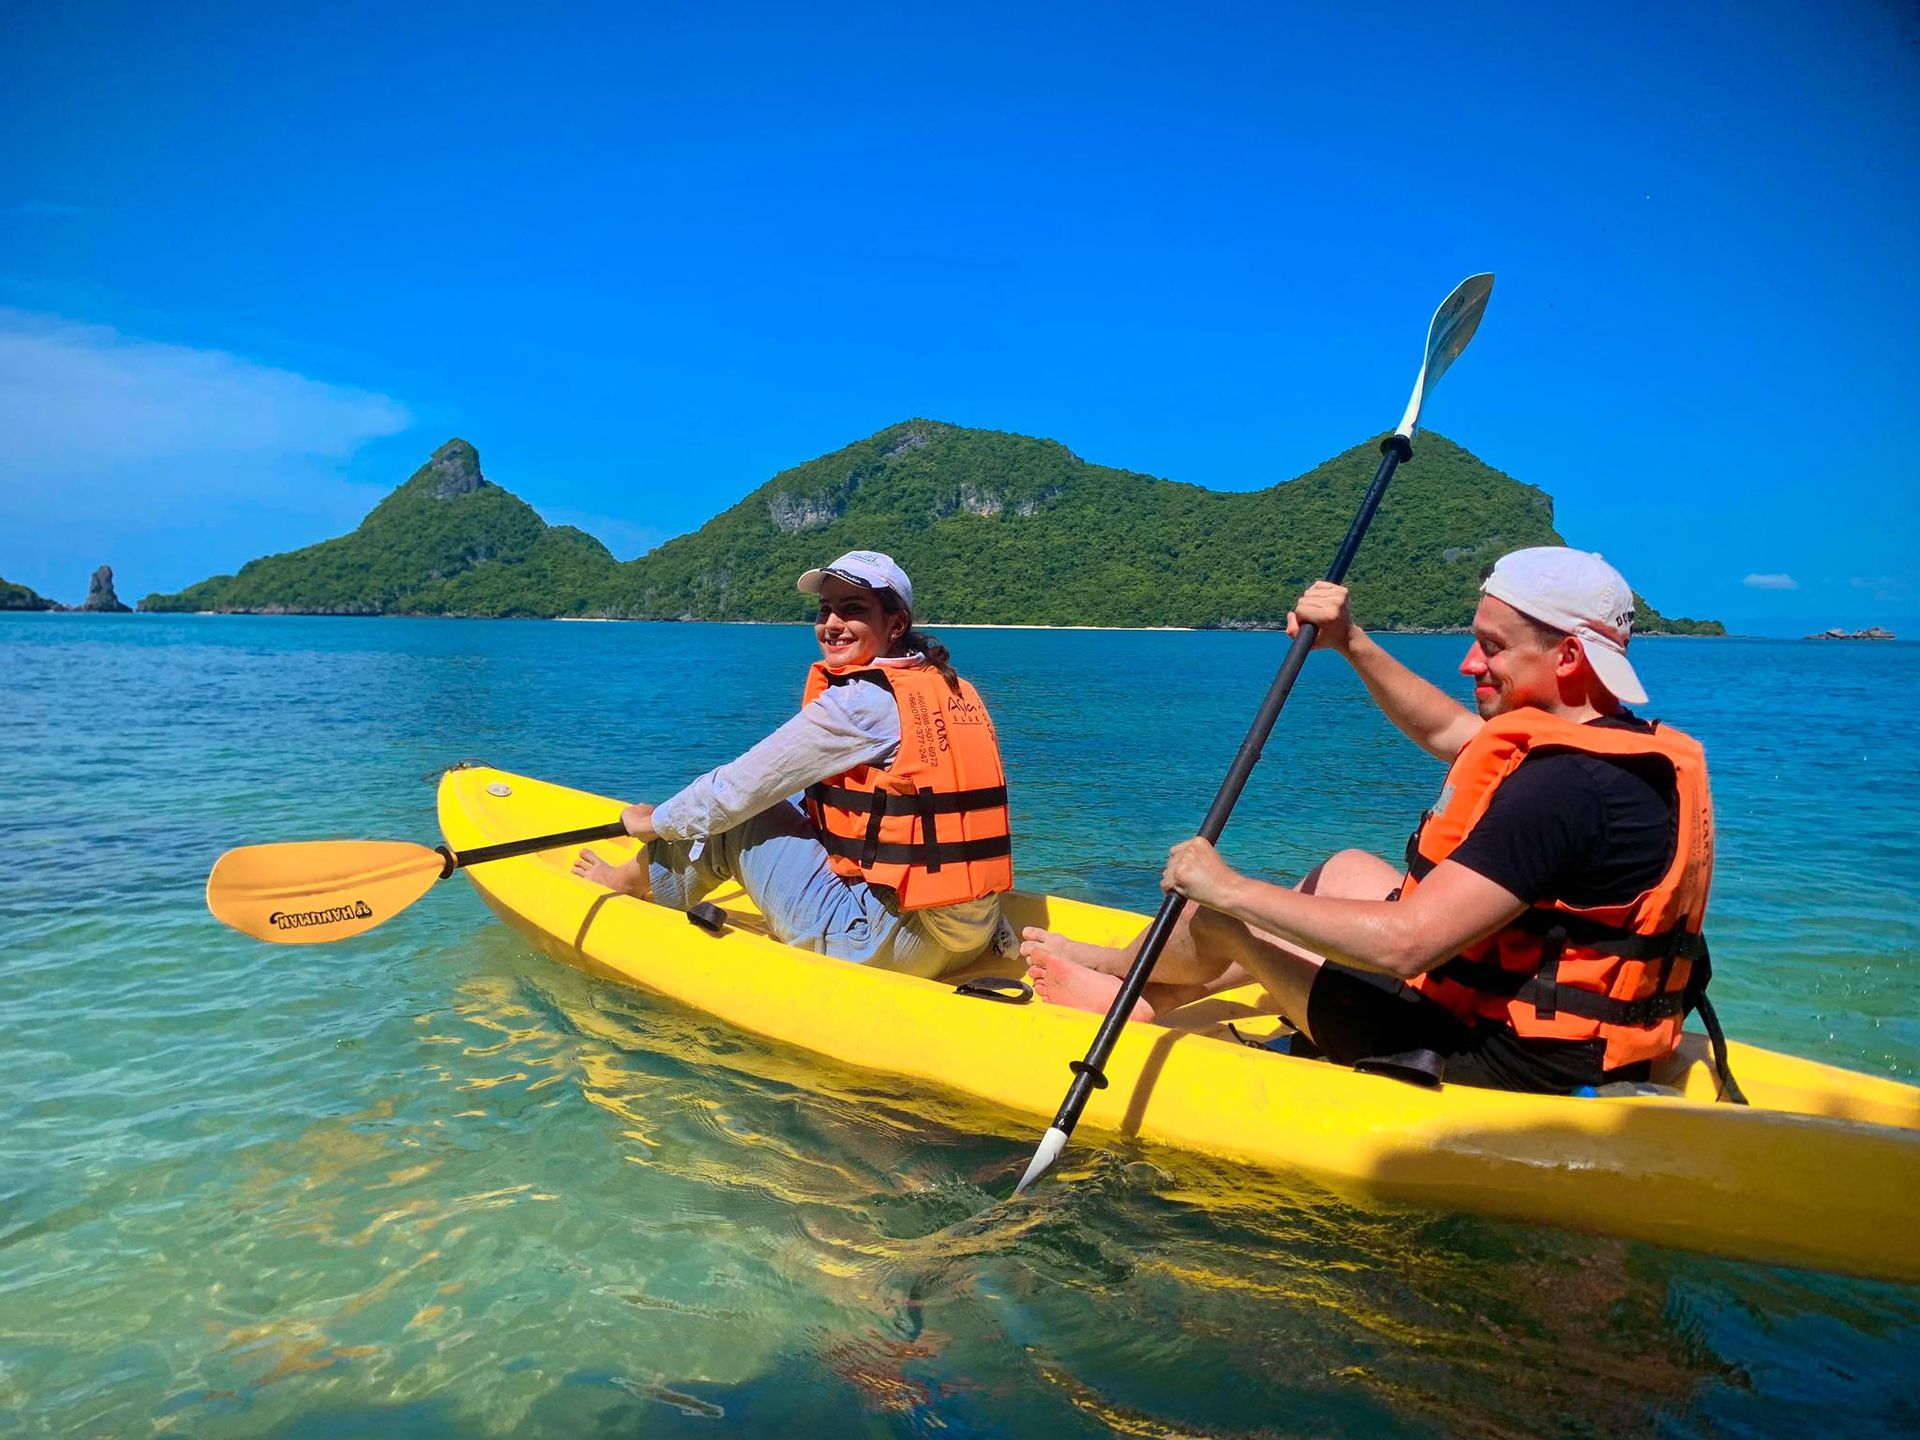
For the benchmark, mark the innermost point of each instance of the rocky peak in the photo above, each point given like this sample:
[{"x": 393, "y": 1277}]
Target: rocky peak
[
  {"x": 454, "y": 471},
  {"x": 914, "y": 435},
  {"x": 100, "y": 596}
]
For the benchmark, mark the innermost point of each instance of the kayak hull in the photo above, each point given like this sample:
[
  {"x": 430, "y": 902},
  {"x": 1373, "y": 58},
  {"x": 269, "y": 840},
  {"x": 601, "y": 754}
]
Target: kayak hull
[{"x": 1819, "y": 1171}]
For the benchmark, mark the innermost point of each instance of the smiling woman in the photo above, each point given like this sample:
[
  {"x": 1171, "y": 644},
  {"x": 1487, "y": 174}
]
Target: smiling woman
[{"x": 900, "y": 851}]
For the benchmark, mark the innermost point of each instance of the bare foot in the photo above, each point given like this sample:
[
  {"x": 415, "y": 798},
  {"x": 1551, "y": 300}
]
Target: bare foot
[
  {"x": 1104, "y": 958},
  {"x": 1059, "y": 981},
  {"x": 628, "y": 879}
]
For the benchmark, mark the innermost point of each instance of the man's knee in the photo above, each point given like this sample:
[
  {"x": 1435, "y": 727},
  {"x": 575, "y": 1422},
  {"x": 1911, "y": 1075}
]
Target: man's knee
[
  {"x": 1351, "y": 875},
  {"x": 1220, "y": 939},
  {"x": 1210, "y": 927}
]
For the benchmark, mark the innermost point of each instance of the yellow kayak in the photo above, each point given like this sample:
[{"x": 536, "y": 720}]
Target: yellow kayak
[{"x": 1821, "y": 1170}]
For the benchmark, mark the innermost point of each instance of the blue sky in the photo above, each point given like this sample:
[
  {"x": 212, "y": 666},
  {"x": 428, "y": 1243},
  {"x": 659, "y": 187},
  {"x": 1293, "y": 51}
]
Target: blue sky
[{"x": 255, "y": 264}]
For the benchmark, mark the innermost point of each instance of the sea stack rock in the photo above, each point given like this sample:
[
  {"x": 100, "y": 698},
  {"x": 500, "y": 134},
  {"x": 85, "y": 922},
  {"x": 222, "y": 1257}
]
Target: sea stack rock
[
  {"x": 455, "y": 471},
  {"x": 100, "y": 597}
]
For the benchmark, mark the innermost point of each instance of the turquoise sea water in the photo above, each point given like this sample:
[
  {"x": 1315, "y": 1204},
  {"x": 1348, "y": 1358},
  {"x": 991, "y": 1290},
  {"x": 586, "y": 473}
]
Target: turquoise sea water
[{"x": 430, "y": 1183}]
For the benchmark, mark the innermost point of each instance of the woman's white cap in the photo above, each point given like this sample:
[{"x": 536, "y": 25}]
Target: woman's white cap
[
  {"x": 1579, "y": 593},
  {"x": 863, "y": 567}
]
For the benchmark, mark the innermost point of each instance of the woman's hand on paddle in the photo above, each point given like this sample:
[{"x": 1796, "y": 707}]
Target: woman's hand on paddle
[
  {"x": 639, "y": 822},
  {"x": 1324, "y": 605},
  {"x": 1195, "y": 869}
]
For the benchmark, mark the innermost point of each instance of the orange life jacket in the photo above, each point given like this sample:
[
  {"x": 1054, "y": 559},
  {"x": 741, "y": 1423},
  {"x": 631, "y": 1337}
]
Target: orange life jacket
[
  {"x": 1625, "y": 974},
  {"x": 933, "y": 828}
]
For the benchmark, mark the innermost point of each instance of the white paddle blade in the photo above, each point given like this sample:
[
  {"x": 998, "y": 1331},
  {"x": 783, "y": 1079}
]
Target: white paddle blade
[
  {"x": 1453, "y": 326},
  {"x": 1051, "y": 1144}
]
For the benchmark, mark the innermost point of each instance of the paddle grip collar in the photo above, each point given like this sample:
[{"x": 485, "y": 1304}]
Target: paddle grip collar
[
  {"x": 1094, "y": 1074},
  {"x": 448, "y": 863}
]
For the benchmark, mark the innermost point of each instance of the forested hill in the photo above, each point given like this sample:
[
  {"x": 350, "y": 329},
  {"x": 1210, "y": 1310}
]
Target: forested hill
[
  {"x": 447, "y": 542},
  {"x": 1005, "y": 528},
  {"x": 994, "y": 528},
  {"x": 19, "y": 597}
]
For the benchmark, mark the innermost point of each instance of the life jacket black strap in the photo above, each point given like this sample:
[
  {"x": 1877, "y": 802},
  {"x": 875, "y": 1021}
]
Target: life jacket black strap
[
  {"x": 924, "y": 802},
  {"x": 1589, "y": 934},
  {"x": 1638, "y": 1014},
  {"x": 871, "y": 846},
  {"x": 1548, "y": 997},
  {"x": 928, "y": 830},
  {"x": 1716, "y": 1037},
  {"x": 951, "y": 852}
]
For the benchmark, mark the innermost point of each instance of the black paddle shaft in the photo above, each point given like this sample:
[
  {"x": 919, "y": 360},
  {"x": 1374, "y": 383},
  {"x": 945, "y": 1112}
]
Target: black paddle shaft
[
  {"x": 507, "y": 849},
  {"x": 1090, "y": 1074}
]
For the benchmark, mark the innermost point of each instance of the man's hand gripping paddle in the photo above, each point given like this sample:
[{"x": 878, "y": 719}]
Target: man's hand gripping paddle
[
  {"x": 1453, "y": 326},
  {"x": 309, "y": 891}
]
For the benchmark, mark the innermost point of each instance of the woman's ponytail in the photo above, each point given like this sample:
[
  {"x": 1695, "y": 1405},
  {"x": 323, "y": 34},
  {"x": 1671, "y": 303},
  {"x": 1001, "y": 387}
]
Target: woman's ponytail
[{"x": 936, "y": 653}]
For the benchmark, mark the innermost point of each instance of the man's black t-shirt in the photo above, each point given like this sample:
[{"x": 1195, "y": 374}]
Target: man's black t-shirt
[{"x": 1577, "y": 828}]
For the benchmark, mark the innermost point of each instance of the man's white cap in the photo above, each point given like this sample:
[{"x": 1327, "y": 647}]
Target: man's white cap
[
  {"x": 863, "y": 567},
  {"x": 1581, "y": 594}
]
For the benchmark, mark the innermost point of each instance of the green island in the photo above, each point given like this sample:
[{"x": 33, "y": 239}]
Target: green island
[
  {"x": 995, "y": 529},
  {"x": 19, "y": 597}
]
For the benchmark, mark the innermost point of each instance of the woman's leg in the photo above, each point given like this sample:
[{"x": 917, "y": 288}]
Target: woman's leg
[
  {"x": 629, "y": 877},
  {"x": 777, "y": 858},
  {"x": 664, "y": 871}
]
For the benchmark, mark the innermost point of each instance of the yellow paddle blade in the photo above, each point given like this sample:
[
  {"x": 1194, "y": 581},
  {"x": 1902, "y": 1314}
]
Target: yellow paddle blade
[{"x": 310, "y": 891}]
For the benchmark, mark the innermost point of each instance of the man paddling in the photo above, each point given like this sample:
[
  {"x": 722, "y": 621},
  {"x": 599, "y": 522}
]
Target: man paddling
[{"x": 1546, "y": 930}]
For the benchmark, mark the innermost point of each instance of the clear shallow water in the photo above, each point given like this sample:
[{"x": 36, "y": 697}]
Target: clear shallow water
[{"x": 429, "y": 1183}]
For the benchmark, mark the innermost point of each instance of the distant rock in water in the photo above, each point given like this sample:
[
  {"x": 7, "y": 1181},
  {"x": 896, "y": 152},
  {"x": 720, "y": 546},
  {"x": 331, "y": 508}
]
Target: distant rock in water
[
  {"x": 100, "y": 597},
  {"x": 19, "y": 597},
  {"x": 1872, "y": 632}
]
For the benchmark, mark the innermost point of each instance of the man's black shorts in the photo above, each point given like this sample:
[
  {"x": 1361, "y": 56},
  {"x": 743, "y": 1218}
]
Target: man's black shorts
[{"x": 1355, "y": 1015}]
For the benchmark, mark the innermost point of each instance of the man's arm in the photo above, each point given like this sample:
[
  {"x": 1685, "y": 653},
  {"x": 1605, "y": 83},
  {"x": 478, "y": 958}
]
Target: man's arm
[
  {"x": 1424, "y": 713},
  {"x": 1452, "y": 908}
]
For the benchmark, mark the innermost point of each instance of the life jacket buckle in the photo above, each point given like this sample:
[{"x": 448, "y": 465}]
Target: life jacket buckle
[{"x": 1546, "y": 1000}]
